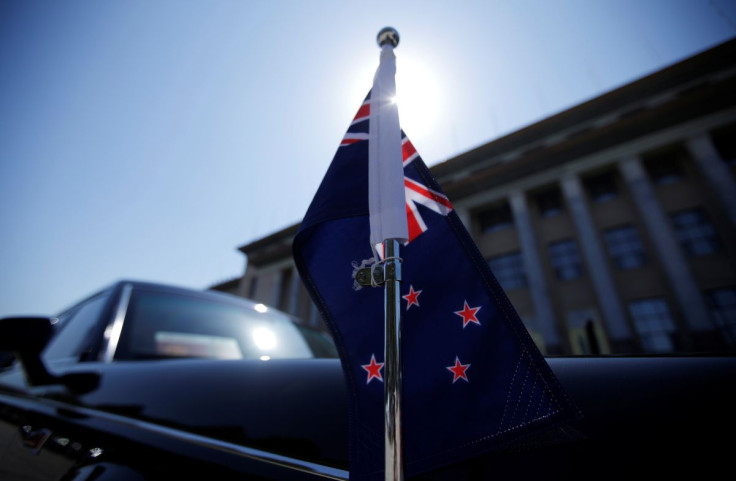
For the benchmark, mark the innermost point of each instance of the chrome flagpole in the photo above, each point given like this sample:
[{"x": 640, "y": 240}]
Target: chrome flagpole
[
  {"x": 388, "y": 226},
  {"x": 392, "y": 354}
]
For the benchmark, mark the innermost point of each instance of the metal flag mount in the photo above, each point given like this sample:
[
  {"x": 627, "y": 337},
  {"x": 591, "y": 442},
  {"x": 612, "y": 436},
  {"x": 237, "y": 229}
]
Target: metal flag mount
[{"x": 389, "y": 276}]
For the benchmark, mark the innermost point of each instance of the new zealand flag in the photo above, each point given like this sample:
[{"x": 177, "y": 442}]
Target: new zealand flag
[{"x": 473, "y": 380}]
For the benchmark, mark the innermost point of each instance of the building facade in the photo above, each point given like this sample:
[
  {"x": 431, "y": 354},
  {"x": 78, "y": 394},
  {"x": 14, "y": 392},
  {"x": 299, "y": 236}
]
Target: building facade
[{"x": 611, "y": 225}]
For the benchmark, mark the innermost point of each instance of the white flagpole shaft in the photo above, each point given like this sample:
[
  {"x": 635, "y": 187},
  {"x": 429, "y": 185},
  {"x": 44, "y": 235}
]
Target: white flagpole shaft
[{"x": 392, "y": 355}]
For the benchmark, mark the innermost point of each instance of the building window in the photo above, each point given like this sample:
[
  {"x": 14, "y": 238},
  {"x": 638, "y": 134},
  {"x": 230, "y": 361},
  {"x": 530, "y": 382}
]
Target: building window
[
  {"x": 654, "y": 324},
  {"x": 625, "y": 247},
  {"x": 695, "y": 232},
  {"x": 495, "y": 218},
  {"x": 722, "y": 307},
  {"x": 565, "y": 259},
  {"x": 665, "y": 167},
  {"x": 586, "y": 333},
  {"x": 549, "y": 202},
  {"x": 509, "y": 270},
  {"x": 602, "y": 187}
]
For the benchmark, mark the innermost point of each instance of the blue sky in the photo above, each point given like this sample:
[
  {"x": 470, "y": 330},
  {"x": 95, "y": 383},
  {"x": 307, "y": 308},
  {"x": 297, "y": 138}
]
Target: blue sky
[{"x": 148, "y": 140}]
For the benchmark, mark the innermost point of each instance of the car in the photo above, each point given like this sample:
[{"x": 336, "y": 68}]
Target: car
[
  {"x": 158, "y": 380},
  {"x": 147, "y": 381}
]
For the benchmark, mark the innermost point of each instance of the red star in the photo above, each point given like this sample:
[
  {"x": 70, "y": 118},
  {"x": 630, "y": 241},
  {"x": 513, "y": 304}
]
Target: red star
[
  {"x": 458, "y": 370},
  {"x": 373, "y": 369},
  {"x": 412, "y": 298},
  {"x": 468, "y": 314}
]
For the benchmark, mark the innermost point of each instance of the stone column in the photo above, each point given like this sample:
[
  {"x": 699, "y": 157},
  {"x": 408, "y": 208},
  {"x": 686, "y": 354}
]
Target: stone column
[
  {"x": 667, "y": 248},
  {"x": 715, "y": 170},
  {"x": 275, "y": 283},
  {"x": 295, "y": 284},
  {"x": 245, "y": 288},
  {"x": 595, "y": 258},
  {"x": 533, "y": 266}
]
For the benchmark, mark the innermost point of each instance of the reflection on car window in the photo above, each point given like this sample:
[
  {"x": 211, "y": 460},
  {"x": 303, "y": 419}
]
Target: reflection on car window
[
  {"x": 75, "y": 333},
  {"x": 164, "y": 325}
]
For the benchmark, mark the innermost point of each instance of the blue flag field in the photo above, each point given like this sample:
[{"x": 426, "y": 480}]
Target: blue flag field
[{"x": 473, "y": 380}]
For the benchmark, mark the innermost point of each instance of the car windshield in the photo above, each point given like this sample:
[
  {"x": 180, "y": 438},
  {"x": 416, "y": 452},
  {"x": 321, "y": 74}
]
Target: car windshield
[{"x": 167, "y": 325}]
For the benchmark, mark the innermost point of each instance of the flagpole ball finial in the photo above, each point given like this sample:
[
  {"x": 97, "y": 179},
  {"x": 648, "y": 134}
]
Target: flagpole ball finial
[{"x": 388, "y": 35}]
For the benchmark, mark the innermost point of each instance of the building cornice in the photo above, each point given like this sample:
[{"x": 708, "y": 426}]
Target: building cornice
[
  {"x": 686, "y": 72},
  {"x": 688, "y": 105}
]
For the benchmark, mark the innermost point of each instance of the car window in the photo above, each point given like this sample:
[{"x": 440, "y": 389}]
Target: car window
[
  {"x": 319, "y": 342},
  {"x": 165, "y": 325},
  {"x": 75, "y": 333}
]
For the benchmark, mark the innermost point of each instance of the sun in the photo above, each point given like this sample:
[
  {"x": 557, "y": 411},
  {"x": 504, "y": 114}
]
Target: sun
[{"x": 418, "y": 98}]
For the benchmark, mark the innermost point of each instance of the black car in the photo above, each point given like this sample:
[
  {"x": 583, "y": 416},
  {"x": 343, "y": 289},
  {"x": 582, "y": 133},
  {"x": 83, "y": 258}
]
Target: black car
[
  {"x": 160, "y": 381},
  {"x": 144, "y": 381}
]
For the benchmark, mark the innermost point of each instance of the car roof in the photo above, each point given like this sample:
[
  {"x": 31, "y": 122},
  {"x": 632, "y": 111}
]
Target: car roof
[{"x": 173, "y": 289}]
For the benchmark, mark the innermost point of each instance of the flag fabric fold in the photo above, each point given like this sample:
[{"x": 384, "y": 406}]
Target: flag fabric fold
[{"x": 473, "y": 380}]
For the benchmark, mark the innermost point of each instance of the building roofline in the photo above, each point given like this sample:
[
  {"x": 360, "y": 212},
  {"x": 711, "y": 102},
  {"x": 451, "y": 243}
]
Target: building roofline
[
  {"x": 690, "y": 69},
  {"x": 283, "y": 234}
]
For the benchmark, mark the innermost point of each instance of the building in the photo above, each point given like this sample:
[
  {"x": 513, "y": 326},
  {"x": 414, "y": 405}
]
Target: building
[{"x": 611, "y": 225}]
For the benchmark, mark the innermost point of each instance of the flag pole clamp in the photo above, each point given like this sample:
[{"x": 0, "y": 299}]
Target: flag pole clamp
[{"x": 376, "y": 275}]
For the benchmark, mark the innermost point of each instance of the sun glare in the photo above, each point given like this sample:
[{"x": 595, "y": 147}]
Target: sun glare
[
  {"x": 264, "y": 338},
  {"x": 418, "y": 97}
]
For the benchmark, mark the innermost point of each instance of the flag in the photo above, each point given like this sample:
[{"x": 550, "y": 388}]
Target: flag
[{"x": 473, "y": 380}]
